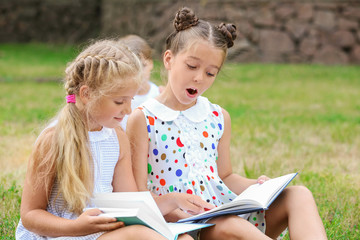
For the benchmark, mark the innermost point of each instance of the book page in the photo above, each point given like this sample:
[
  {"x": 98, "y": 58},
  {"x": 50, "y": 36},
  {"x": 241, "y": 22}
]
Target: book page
[
  {"x": 254, "y": 198},
  {"x": 128, "y": 200},
  {"x": 265, "y": 192}
]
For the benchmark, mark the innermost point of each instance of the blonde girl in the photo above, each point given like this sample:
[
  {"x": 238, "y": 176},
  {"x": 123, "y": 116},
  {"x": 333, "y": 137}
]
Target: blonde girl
[
  {"x": 180, "y": 141},
  {"x": 84, "y": 151}
]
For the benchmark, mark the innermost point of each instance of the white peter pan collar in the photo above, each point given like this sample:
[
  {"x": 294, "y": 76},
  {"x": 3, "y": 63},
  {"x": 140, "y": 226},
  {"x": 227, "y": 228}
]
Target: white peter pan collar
[{"x": 196, "y": 113}]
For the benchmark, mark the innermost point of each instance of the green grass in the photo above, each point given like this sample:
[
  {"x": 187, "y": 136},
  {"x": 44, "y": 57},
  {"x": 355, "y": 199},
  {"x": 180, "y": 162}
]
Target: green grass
[
  {"x": 34, "y": 61},
  {"x": 285, "y": 118}
]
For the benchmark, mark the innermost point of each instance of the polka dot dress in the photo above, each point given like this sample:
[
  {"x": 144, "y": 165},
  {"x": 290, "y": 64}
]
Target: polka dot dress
[{"x": 183, "y": 152}]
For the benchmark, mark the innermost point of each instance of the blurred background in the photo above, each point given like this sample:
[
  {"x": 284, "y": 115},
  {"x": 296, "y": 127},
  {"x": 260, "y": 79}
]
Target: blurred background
[
  {"x": 291, "y": 85},
  {"x": 277, "y": 31}
]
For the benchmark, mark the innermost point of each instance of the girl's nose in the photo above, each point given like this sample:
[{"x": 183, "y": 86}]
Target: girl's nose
[{"x": 198, "y": 77}]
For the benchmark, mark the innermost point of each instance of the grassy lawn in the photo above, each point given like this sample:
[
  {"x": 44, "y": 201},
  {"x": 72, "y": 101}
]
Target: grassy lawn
[{"x": 285, "y": 118}]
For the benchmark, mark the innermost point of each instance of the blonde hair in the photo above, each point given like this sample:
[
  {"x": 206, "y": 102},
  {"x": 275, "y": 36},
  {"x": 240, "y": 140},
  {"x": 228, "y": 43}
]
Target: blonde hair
[{"x": 103, "y": 67}]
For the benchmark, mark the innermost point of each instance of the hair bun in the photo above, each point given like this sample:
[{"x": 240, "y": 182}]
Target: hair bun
[
  {"x": 184, "y": 19},
  {"x": 229, "y": 31}
]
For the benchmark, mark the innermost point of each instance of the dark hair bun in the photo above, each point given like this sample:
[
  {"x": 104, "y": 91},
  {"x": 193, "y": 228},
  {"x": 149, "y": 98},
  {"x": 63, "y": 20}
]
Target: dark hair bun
[
  {"x": 184, "y": 19},
  {"x": 229, "y": 31}
]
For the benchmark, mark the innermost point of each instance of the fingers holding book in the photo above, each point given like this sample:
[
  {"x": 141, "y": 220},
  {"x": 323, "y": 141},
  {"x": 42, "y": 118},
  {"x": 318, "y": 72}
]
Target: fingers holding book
[
  {"x": 192, "y": 204},
  {"x": 94, "y": 220},
  {"x": 262, "y": 179}
]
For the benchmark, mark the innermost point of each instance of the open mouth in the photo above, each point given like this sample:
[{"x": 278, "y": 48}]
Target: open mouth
[{"x": 192, "y": 91}]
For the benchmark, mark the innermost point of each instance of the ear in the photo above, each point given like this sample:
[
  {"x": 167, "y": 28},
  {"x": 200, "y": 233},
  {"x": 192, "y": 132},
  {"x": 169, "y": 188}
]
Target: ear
[
  {"x": 84, "y": 94},
  {"x": 167, "y": 59}
]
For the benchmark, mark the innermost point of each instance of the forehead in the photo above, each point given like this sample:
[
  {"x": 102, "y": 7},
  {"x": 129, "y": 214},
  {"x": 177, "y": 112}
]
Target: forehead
[
  {"x": 127, "y": 89},
  {"x": 203, "y": 51}
]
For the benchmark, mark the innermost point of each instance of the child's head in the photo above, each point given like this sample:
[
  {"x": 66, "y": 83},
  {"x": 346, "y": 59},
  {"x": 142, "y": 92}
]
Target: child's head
[
  {"x": 189, "y": 29},
  {"x": 142, "y": 49},
  {"x": 100, "y": 84},
  {"x": 195, "y": 53},
  {"x": 104, "y": 67}
]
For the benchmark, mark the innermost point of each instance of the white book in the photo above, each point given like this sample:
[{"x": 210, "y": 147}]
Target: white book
[
  {"x": 140, "y": 208},
  {"x": 255, "y": 198}
]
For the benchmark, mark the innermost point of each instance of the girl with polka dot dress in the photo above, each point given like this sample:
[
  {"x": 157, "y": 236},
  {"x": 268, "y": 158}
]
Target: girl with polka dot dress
[{"x": 180, "y": 142}]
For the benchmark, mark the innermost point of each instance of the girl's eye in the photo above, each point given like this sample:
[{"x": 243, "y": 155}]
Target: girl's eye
[
  {"x": 191, "y": 67},
  {"x": 119, "y": 103},
  {"x": 210, "y": 74}
]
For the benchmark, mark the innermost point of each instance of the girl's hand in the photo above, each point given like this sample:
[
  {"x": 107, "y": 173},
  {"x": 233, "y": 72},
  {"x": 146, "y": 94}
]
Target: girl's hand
[
  {"x": 89, "y": 222},
  {"x": 192, "y": 204},
  {"x": 262, "y": 179}
]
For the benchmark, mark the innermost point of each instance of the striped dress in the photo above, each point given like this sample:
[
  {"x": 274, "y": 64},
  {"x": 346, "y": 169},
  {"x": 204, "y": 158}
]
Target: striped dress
[{"x": 105, "y": 150}]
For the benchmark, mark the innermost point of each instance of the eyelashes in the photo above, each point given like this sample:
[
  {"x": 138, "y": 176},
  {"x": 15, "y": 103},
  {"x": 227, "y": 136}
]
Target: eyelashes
[{"x": 191, "y": 67}]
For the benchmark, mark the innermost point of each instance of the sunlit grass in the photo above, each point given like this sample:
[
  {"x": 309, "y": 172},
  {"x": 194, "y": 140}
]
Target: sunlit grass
[{"x": 285, "y": 118}]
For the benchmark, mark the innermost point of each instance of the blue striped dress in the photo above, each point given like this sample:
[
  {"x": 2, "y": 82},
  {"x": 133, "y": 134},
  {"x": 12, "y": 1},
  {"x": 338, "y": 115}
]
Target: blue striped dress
[{"x": 105, "y": 150}]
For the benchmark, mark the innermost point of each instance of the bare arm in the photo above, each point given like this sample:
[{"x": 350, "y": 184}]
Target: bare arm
[
  {"x": 235, "y": 182},
  {"x": 139, "y": 144},
  {"x": 123, "y": 171},
  {"x": 35, "y": 200}
]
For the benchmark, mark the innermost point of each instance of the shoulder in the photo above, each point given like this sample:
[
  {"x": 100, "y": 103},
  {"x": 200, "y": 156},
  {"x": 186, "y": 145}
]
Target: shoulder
[
  {"x": 137, "y": 116},
  {"x": 225, "y": 114},
  {"x": 45, "y": 138},
  {"x": 136, "y": 125}
]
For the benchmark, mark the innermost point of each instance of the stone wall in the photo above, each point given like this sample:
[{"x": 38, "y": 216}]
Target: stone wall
[
  {"x": 283, "y": 31},
  {"x": 60, "y": 21},
  {"x": 326, "y": 32}
]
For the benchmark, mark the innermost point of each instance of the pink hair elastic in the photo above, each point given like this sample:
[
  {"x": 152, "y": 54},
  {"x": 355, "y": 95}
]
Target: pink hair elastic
[{"x": 70, "y": 98}]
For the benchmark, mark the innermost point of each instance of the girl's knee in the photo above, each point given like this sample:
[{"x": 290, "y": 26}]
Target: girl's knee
[{"x": 301, "y": 192}]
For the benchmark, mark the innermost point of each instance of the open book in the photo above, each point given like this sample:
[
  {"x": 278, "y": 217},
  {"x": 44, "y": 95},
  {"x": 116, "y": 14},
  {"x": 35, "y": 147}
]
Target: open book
[
  {"x": 140, "y": 208},
  {"x": 255, "y": 198}
]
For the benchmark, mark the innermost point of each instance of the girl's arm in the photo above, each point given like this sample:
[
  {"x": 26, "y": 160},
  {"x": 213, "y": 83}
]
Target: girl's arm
[
  {"x": 139, "y": 144},
  {"x": 123, "y": 180},
  {"x": 139, "y": 141},
  {"x": 235, "y": 182},
  {"x": 35, "y": 198}
]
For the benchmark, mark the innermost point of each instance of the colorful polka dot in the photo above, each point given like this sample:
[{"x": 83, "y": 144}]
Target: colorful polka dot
[
  {"x": 205, "y": 134},
  {"x": 179, "y": 143},
  {"x": 178, "y": 172},
  {"x": 151, "y": 120},
  {"x": 164, "y": 137},
  {"x": 162, "y": 182}
]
